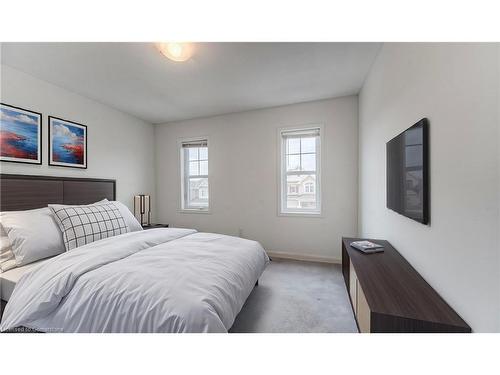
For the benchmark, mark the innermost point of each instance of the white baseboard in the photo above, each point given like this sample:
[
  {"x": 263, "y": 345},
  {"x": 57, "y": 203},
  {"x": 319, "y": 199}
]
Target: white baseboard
[{"x": 303, "y": 257}]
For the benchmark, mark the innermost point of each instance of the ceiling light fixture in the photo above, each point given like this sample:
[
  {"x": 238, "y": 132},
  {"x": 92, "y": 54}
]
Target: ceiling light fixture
[{"x": 176, "y": 51}]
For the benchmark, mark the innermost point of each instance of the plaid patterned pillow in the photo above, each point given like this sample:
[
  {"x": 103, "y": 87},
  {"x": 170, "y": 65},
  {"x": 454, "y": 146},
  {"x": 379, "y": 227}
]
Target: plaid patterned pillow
[{"x": 85, "y": 224}]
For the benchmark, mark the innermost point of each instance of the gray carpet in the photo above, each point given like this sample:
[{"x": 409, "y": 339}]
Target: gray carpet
[{"x": 295, "y": 296}]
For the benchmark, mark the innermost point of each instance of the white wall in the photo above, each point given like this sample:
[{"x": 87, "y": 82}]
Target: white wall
[
  {"x": 119, "y": 146},
  {"x": 243, "y": 156},
  {"x": 456, "y": 87}
]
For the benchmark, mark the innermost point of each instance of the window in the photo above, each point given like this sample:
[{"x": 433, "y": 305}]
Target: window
[
  {"x": 194, "y": 171},
  {"x": 203, "y": 192},
  {"x": 309, "y": 187},
  {"x": 300, "y": 171}
]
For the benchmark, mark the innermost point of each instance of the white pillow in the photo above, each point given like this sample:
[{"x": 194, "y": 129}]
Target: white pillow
[
  {"x": 7, "y": 259},
  {"x": 33, "y": 234},
  {"x": 131, "y": 221}
]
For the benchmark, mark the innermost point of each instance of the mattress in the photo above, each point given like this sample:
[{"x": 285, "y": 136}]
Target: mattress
[{"x": 9, "y": 279}]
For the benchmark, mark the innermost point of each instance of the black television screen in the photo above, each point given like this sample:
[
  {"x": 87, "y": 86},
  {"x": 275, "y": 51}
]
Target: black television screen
[{"x": 408, "y": 171}]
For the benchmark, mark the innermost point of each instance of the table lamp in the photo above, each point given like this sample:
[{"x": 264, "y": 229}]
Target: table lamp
[{"x": 142, "y": 209}]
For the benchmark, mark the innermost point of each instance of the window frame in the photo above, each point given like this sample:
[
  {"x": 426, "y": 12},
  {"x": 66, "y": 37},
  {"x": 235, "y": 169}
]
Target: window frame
[
  {"x": 184, "y": 167},
  {"x": 282, "y": 172}
]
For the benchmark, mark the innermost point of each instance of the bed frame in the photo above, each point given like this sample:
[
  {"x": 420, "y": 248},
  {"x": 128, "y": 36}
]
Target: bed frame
[{"x": 26, "y": 192}]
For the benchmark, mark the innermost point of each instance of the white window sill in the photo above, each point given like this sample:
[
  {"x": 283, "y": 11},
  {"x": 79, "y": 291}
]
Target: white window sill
[
  {"x": 194, "y": 211},
  {"x": 302, "y": 214}
]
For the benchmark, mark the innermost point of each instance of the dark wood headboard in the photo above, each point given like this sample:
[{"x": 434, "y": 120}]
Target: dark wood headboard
[{"x": 25, "y": 192}]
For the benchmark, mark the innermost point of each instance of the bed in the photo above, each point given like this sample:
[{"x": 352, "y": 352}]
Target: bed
[{"x": 159, "y": 280}]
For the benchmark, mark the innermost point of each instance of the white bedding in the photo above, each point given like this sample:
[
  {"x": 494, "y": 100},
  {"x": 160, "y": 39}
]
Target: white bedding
[
  {"x": 159, "y": 280},
  {"x": 9, "y": 279}
]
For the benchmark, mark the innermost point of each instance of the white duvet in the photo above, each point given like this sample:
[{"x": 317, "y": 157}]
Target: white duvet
[{"x": 159, "y": 280}]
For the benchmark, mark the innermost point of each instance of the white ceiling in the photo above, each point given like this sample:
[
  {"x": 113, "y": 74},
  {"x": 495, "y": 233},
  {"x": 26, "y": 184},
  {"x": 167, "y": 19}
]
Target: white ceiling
[{"x": 220, "y": 78}]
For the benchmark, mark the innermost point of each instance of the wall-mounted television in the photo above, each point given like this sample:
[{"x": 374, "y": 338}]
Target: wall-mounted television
[{"x": 408, "y": 172}]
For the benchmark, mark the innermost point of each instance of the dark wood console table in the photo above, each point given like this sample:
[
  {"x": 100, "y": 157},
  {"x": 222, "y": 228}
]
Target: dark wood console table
[{"x": 388, "y": 295}]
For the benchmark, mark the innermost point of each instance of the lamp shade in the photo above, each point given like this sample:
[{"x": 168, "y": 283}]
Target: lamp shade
[{"x": 142, "y": 209}]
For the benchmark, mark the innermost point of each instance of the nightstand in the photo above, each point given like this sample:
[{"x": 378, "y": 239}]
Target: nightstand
[{"x": 155, "y": 226}]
